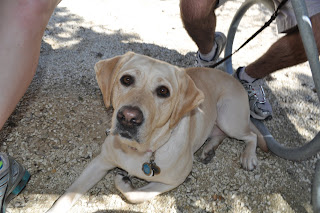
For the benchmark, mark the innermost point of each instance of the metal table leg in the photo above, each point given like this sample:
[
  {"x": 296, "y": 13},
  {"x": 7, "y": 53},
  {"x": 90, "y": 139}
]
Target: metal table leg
[{"x": 305, "y": 28}]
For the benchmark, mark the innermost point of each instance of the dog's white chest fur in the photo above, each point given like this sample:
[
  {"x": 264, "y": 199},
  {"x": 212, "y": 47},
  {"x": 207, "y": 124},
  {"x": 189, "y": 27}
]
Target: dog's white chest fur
[{"x": 174, "y": 158}]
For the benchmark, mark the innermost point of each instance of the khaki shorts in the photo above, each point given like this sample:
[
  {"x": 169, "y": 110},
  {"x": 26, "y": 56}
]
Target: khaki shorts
[{"x": 286, "y": 19}]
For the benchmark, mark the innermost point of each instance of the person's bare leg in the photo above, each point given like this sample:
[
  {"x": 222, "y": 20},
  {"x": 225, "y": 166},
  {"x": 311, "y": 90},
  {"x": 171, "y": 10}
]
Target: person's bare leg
[
  {"x": 199, "y": 21},
  {"x": 286, "y": 52},
  {"x": 21, "y": 30}
]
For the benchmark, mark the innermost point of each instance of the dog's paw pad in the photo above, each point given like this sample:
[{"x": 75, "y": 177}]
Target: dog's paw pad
[
  {"x": 127, "y": 180},
  {"x": 123, "y": 181},
  {"x": 122, "y": 173},
  {"x": 206, "y": 157}
]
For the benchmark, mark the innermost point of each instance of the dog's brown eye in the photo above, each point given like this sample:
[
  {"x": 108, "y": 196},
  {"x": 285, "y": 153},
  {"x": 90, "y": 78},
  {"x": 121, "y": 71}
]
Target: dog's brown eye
[
  {"x": 163, "y": 92},
  {"x": 127, "y": 80}
]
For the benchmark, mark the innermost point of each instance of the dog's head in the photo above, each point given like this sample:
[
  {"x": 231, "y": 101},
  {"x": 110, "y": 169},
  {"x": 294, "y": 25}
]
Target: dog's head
[{"x": 149, "y": 98}]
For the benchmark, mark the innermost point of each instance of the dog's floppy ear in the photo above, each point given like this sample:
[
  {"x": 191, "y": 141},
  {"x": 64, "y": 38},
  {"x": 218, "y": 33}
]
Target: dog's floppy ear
[
  {"x": 189, "y": 98},
  {"x": 106, "y": 71}
]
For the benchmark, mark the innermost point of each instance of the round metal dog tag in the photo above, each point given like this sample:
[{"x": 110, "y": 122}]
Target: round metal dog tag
[{"x": 147, "y": 170}]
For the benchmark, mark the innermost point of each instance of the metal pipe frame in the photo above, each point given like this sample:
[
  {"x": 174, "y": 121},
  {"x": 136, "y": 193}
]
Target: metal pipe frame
[{"x": 305, "y": 29}]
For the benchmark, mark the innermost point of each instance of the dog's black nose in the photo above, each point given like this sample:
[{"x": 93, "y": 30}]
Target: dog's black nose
[{"x": 129, "y": 116}]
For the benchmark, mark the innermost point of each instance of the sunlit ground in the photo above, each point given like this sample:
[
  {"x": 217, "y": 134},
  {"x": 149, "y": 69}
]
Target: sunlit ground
[{"x": 59, "y": 125}]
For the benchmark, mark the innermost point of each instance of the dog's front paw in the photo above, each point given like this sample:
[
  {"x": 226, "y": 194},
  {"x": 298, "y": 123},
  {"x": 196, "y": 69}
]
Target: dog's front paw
[
  {"x": 63, "y": 204},
  {"x": 249, "y": 161},
  {"x": 123, "y": 182},
  {"x": 124, "y": 185}
]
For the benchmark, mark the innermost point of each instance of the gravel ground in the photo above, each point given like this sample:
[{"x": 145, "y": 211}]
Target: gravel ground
[{"x": 58, "y": 127}]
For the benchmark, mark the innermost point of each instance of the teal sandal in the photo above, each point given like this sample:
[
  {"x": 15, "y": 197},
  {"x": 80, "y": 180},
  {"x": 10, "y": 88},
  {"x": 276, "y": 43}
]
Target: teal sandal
[{"x": 13, "y": 179}]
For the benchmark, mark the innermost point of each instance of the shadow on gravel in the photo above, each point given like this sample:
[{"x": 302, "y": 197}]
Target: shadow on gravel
[{"x": 62, "y": 112}]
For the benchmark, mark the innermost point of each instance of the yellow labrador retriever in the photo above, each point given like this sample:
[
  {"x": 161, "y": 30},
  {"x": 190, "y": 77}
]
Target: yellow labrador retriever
[{"x": 162, "y": 115}]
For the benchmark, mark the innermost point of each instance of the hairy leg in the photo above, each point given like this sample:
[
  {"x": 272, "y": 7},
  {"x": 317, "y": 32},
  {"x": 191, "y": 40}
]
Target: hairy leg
[
  {"x": 286, "y": 52},
  {"x": 199, "y": 21},
  {"x": 21, "y": 30}
]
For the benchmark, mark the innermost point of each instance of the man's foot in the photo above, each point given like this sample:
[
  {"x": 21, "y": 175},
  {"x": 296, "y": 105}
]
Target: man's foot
[
  {"x": 220, "y": 40},
  {"x": 13, "y": 178},
  {"x": 260, "y": 107}
]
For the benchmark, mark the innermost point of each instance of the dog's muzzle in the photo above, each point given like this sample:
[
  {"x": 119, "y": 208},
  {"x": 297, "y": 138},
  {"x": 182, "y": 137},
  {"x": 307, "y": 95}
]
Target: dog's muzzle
[{"x": 129, "y": 118}]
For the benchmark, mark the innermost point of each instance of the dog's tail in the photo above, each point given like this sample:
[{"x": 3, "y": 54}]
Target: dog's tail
[{"x": 262, "y": 144}]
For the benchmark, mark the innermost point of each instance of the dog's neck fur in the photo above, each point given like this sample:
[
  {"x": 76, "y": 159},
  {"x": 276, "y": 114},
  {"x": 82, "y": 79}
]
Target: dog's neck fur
[{"x": 159, "y": 137}]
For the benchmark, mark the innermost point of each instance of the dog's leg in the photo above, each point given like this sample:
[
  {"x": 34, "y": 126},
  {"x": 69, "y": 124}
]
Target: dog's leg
[
  {"x": 233, "y": 119},
  {"x": 248, "y": 158},
  {"x": 139, "y": 195},
  {"x": 242, "y": 132},
  {"x": 215, "y": 138},
  {"x": 93, "y": 173}
]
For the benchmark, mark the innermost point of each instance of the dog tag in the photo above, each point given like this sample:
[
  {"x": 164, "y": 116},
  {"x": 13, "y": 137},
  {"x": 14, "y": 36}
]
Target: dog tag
[
  {"x": 156, "y": 170},
  {"x": 147, "y": 169},
  {"x": 151, "y": 168}
]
